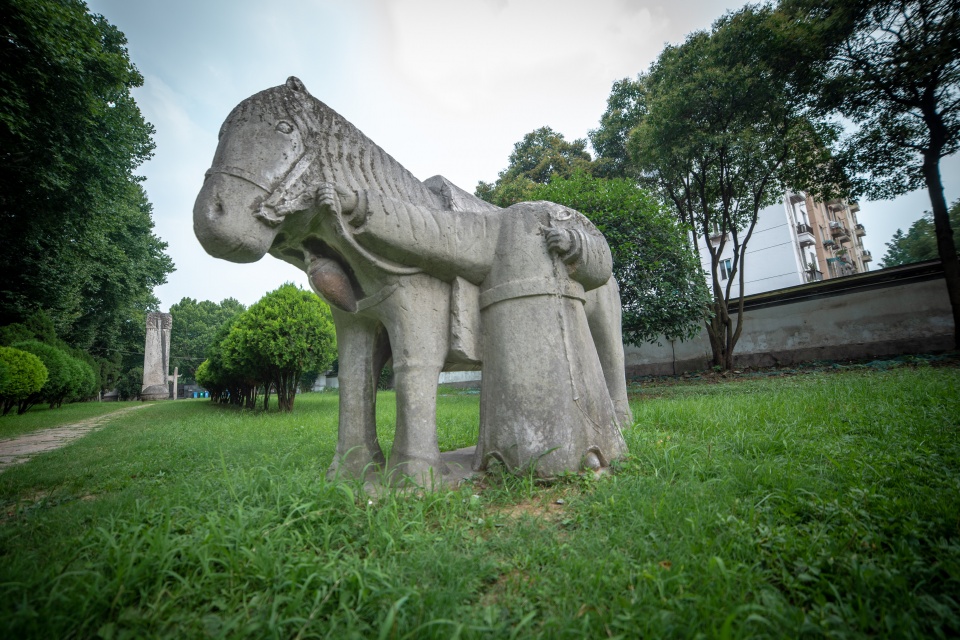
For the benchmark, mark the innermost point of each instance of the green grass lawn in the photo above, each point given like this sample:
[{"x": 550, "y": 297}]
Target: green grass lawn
[{"x": 812, "y": 505}]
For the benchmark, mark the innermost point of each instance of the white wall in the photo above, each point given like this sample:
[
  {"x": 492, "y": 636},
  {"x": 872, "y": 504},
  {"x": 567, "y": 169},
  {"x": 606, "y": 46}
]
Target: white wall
[{"x": 773, "y": 259}]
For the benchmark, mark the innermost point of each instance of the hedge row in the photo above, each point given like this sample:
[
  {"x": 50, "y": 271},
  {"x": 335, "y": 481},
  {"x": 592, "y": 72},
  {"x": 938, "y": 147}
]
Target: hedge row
[{"x": 32, "y": 372}]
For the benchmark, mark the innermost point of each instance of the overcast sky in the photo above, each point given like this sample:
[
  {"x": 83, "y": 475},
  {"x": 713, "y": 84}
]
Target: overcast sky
[{"x": 444, "y": 86}]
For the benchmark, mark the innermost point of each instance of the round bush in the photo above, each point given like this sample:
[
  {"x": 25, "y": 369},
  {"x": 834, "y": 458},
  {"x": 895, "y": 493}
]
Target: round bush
[
  {"x": 59, "y": 373},
  {"x": 24, "y": 374}
]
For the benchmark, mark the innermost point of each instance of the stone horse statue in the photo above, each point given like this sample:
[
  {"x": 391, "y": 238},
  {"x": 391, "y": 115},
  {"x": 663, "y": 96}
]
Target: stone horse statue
[{"x": 432, "y": 277}]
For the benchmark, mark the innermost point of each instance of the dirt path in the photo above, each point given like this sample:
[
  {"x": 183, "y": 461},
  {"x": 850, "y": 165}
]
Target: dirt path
[{"x": 22, "y": 448}]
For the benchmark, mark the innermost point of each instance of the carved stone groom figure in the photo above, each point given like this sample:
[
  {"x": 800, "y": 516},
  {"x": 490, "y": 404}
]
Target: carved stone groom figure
[{"x": 544, "y": 400}]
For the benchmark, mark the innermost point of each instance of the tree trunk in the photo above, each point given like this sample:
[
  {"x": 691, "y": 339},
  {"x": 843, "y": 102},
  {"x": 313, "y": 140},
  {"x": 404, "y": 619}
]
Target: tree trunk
[
  {"x": 287, "y": 389},
  {"x": 266, "y": 396},
  {"x": 718, "y": 324},
  {"x": 717, "y": 331},
  {"x": 945, "y": 245}
]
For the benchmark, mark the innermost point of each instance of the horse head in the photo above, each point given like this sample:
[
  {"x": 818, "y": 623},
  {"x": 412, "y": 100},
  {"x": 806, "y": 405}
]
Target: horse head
[
  {"x": 275, "y": 148},
  {"x": 261, "y": 142}
]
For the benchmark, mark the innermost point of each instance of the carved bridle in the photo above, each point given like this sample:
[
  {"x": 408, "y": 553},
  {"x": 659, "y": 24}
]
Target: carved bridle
[
  {"x": 268, "y": 209},
  {"x": 271, "y": 211}
]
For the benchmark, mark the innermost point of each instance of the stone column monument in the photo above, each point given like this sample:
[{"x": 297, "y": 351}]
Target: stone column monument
[{"x": 156, "y": 357}]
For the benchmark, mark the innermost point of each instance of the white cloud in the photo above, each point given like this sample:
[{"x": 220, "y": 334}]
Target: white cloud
[{"x": 465, "y": 55}]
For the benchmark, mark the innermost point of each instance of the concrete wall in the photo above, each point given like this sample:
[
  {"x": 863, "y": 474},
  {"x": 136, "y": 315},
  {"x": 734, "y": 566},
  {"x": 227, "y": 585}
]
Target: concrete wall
[
  {"x": 466, "y": 379},
  {"x": 453, "y": 378},
  {"x": 888, "y": 312},
  {"x": 326, "y": 382}
]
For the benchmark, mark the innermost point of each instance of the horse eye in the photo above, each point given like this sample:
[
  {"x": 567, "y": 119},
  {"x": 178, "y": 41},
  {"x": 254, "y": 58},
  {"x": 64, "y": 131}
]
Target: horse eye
[{"x": 284, "y": 127}]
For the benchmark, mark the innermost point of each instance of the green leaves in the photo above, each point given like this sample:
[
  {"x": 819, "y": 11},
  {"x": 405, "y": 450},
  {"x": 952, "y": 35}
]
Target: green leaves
[
  {"x": 625, "y": 107},
  {"x": 21, "y": 374},
  {"x": 661, "y": 284},
  {"x": 541, "y": 154},
  {"x": 195, "y": 325},
  {"x": 68, "y": 378},
  {"x": 920, "y": 241},
  {"x": 76, "y": 235},
  {"x": 285, "y": 333}
]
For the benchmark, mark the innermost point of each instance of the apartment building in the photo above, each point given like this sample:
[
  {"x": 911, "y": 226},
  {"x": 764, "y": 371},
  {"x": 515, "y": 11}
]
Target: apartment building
[{"x": 796, "y": 241}]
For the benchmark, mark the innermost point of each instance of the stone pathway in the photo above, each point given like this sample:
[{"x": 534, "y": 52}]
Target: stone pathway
[{"x": 22, "y": 448}]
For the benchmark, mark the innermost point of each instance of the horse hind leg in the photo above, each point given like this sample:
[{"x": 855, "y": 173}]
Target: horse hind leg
[{"x": 604, "y": 319}]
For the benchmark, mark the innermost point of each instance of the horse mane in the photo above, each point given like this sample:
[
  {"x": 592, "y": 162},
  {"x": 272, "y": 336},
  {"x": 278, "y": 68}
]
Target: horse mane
[{"x": 345, "y": 156}]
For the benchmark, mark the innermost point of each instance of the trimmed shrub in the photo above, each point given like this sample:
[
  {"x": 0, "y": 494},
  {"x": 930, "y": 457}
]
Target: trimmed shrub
[
  {"x": 23, "y": 374},
  {"x": 59, "y": 374}
]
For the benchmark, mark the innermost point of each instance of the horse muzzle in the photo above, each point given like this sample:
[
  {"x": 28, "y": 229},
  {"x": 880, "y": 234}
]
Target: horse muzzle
[{"x": 225, "y": 221}]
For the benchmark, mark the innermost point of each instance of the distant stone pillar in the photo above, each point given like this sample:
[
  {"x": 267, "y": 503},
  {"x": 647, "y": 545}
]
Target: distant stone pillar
[{"x": 156, "y": 357}]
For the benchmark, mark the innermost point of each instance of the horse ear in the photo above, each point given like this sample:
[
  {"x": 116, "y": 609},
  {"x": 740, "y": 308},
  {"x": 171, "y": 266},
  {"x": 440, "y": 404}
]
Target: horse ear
[{"x": 294, "y": 83}]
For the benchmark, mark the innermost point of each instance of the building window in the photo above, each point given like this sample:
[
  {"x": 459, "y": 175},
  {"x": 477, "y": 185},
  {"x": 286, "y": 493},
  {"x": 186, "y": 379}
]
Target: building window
[{"x": 726, "y": 268}]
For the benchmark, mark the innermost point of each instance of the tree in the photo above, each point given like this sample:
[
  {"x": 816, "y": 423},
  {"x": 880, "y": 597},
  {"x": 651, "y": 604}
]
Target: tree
[
  {"x": 661, "y": 282},
  {"x": 23, "y": 375},
  {"x": 206, "y": 380},
  {"x": 286, "y": 332},
  {"x": 721, "y": 135},
  {"x": 130, "y": 384},
  {"x": 920, "y": 241},
  {"x": 124, "y": 262},
  {"x": 625, "y": 107},
  {"x": 195, "y": 324},
  {"x": 893, "y": 69},
  {"x": 37, "y": 326},
  {"x": 227, "y": 381},
  {"x": 76, "y": 236},
  {"x": 541, "y": 154}
]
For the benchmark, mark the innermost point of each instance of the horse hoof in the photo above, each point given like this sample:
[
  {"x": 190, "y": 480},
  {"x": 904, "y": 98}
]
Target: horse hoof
[
  {"x": 591, "y": 461},
  {"x": 416, "y": 471}
]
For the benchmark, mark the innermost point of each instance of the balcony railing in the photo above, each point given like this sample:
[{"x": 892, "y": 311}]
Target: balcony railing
[
  {"x": 854, "y": 207},
  {"x": 839, "y": 232},
  {"x": 716, "y": 238},
  {"x": 866, "y": 256},
  {"x": 805, "y": 235},
  {"x": 859, "y": 230}
]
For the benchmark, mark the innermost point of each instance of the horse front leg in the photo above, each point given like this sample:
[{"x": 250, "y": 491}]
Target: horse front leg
[
  {"x": 419, "y": 339},
  {"x": 358, "y": 450}
]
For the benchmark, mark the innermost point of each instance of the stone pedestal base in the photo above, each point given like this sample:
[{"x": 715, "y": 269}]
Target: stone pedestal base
[{"x": 155, "y": 392}]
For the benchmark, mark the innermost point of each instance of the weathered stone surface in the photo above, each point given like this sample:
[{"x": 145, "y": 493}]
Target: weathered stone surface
[
  {"x": 156, "y": 357},
  {"x": 432, "y": 277},
  {"x": 465, "y": 339}
]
